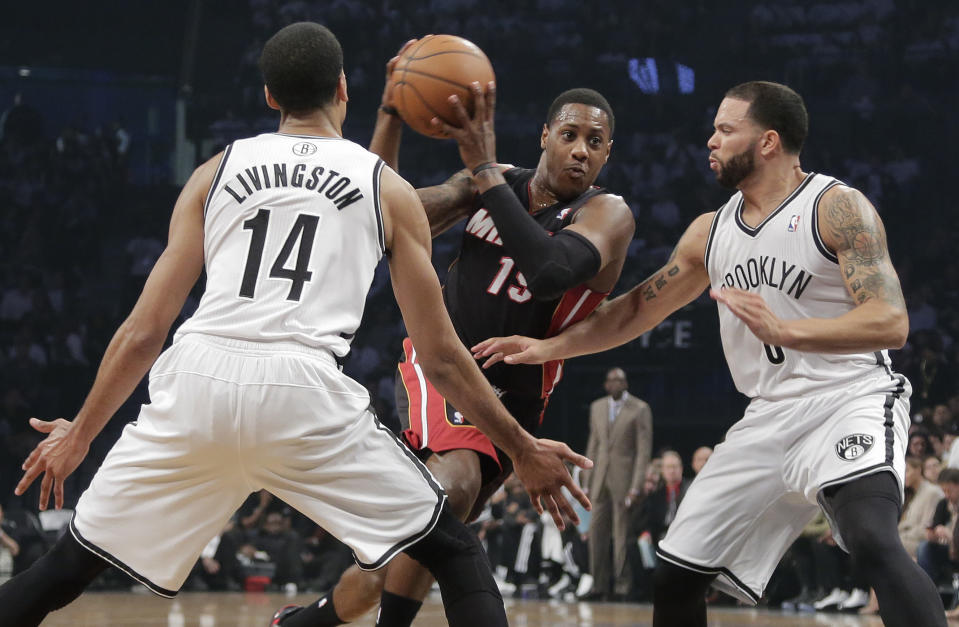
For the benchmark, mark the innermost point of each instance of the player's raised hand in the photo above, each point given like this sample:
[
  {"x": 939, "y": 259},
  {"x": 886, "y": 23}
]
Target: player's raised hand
[
  {"x": 541, "y": 469},
  {"x": 753, "y": 310},
  {"x": 56, "y": 457},
  {"x": 474, "y": 135},
  {"x": 515, "y": 349},
  {"x": 387, "y": 100}
]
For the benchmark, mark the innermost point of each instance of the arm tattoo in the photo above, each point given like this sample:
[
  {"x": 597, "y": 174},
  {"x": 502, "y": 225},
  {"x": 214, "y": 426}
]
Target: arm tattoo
[
  {"x": 448, "y": 203},
  {"x": 655, "y": 284},
  {"x": 860, "y": 242}
]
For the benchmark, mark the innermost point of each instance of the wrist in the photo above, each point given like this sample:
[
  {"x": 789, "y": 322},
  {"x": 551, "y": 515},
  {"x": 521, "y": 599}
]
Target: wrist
[{"x": 389, "y": 110}]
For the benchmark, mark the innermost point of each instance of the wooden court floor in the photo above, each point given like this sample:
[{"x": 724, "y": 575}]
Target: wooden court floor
[{"x": 98, "y": 609}]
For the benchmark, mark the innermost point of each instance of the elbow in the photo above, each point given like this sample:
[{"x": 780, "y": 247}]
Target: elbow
[
  {"x": 141, "y": 337},
  {"x": 899, "y": 330},
  {"x": 549, "y": 285}
]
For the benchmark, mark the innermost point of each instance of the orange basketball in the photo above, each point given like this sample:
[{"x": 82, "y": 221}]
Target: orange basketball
[{"x": 432, "y": 70}]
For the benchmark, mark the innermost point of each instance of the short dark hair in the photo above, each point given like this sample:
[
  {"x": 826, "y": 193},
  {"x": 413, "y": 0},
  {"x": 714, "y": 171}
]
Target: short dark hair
[
  {"x": 777, "y": 107},
  {"x": 949, "y": 475},
  {"x": 582, "y": 95},
  {"x": 301, "y": 66}
]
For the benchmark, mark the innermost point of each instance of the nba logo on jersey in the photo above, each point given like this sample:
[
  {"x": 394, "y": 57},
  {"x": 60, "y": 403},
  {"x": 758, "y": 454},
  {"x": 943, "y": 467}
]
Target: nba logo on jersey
[
  {"x": 562, "y": 214},
  {"x": 793, "y": 224},
  {"x": 458, "y": 419},
  {"x": 853, "y": 446}
]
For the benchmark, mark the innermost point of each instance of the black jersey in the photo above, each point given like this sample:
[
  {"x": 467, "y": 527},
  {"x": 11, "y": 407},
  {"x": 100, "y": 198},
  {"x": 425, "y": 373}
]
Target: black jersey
[{"x": 486, "y": 295}]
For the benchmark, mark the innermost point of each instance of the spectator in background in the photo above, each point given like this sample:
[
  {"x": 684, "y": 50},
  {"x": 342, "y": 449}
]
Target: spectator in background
[
  {"x": 281, "y": 545},
  {"x": 931, "y": 467},
  {"x": 620, "y": 440},
  {"x": 700, "y": 456},
  {"x": 935, "y": 552},
  {"x": 9, "y": 550}
]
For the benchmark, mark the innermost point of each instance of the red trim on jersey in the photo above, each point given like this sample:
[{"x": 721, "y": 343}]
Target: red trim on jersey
[{"x": 575, "y": 305}]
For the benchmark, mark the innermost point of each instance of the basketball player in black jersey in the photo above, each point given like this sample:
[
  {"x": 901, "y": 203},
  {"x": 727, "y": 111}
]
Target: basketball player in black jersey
[{"x": 542, "y": 248}]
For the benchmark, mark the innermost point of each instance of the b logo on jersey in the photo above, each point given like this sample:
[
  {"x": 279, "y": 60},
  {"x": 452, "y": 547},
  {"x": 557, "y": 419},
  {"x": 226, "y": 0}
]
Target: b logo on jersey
[
  {"x": 793, "y": 224},
  {"x": 304, "y": 149},
  {"x": 854, "y": 446}
]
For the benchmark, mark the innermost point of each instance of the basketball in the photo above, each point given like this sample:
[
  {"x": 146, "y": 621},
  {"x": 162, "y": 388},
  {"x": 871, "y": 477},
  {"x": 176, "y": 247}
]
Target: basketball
[{"x": 429, "y": 72}]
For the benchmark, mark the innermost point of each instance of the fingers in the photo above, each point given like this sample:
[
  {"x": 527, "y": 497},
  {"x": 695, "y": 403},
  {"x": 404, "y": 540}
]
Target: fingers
[
  {"x": 459, "y": 111},
  {"x": 578, "y": 494},
  {"x": 490, "y": 346},
  {"x": 522, "y": 357},
  {"x": 43, "y": 426},
  {"x": 58, "y": 493},
  {"x": 479, "y": 101},
  {"x": 490, "y": 100},
  {"x": 571, "y": 456},
  {"x": 32, "y": 472},
  {"x": 440, "y": 125},
  {"x": 567, "y": 509},
  {"x": 534, "y": 499},
  {"x": 45, "y": 486},
  {"x": 554, "y": 511},
  {"x": 492, "y": 361}
]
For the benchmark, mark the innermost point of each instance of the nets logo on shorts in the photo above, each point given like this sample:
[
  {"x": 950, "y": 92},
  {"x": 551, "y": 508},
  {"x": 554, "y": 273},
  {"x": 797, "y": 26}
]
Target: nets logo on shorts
[
  {"x": 854, "y": 446},
  {"x": 304, "y": 149}
]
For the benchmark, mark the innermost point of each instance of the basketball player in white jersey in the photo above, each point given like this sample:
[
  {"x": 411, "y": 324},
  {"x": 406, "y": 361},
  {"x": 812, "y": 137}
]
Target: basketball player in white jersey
[
  {"x": 809, "y": 303},
  {"x": 290, "y": 226}
]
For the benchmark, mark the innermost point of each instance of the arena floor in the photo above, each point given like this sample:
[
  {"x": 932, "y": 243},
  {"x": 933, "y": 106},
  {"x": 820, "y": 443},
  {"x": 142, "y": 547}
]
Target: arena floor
[{"x": 255, "y": 610}]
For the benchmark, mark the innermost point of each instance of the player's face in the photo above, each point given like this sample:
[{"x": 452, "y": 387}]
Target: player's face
[
  {"x": 576, "y": 144},
  {"x": 732, "y": 146}
]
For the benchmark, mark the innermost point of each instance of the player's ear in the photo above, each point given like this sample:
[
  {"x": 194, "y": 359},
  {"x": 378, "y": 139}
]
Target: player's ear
[
  {"x": 341, "y": 88},
  {"x": 542, "y": 139},
  {"x": 270, "y": 100},
  {"x": 609, "y": 149},
  {"x": 768, "y": 142}
]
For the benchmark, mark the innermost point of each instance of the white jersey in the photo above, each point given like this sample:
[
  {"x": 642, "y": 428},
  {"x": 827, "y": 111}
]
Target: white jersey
[
  {"x": 785, "y": 261},
  {"x": 292, "y": 235}
]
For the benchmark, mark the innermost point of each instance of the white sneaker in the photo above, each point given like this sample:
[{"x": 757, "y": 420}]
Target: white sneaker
[
  {"x": 857, "y": 599},
  {"x": 834, "y": 598},
  {"x": 557, "y": 588},
  {"x": 585, "y": 585}
]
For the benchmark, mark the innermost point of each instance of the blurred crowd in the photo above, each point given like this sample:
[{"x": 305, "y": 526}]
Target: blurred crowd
[{"x": 77, "y": 237}]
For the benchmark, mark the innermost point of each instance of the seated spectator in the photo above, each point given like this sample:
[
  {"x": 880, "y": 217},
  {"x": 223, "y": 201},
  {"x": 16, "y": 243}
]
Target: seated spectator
[
  {"x": 700, "y": 456},
  {"x": 218, "y": 568},
  {"x": 922, "y": 498},
  {"x": 934, "y": 553},
  {"x": 324, "y": 559},
  {"x": 276, "y": 543},
  {"x": 931, "y": 467}
]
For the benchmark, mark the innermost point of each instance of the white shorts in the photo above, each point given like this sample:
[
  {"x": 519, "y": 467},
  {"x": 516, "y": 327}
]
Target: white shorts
[
  {"x": 228, "y": 418},
  {"x": 763, "y": 484}
]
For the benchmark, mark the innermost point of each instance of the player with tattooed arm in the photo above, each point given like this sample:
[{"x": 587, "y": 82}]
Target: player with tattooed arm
[{"x": 809, "y": 303}]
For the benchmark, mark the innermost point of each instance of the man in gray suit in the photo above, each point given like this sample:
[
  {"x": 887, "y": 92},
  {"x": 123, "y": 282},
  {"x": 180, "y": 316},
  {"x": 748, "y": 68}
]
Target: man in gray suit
[{"x": 620, "y": 441}]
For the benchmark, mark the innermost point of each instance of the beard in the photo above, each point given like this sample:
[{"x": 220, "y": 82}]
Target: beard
[{"x": 732, "y": 172}]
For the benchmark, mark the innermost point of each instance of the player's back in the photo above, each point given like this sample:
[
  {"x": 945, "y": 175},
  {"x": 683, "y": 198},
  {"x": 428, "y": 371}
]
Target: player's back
[{"x": 292, "y": 235}]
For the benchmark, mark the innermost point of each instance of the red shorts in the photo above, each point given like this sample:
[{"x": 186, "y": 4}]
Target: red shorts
[{"x": 431, "y": 425}]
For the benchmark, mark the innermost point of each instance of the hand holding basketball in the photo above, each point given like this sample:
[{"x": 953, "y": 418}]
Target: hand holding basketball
[
  {"x": 474, "y": 135},
  {"x": 429, "y": 71}
]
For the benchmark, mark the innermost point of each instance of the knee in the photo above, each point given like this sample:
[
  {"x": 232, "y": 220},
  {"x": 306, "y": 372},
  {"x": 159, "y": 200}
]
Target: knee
[{"x": 462, "y": 496}]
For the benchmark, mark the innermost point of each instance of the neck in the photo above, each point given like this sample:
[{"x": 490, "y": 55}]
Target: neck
[
  {"x": 618, "y": 395},
  {"x": 323, "y": 122},
  {"x": 765, "y": 190}
]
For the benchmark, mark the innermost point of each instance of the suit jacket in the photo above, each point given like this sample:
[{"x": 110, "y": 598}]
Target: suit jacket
[
  {"x": 652, "y": 514},
  {"x": 620, "y": 450}
]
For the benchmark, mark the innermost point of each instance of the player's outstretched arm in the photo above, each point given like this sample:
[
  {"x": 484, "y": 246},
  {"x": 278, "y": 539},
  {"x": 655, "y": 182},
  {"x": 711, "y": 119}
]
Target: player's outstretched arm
[
  {"x": 134, "y": 346},
  {"x": 448, "y": 365},
  {"x": 622, "y": 319},
  {"x": 851, "y": 228}
]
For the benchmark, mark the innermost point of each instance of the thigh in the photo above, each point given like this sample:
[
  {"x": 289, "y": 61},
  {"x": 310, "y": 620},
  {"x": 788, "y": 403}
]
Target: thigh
[
  {"x": 167, "y": 486},
  {"x": 738, "y": 516},
  {"x": 330, "y": 458}
]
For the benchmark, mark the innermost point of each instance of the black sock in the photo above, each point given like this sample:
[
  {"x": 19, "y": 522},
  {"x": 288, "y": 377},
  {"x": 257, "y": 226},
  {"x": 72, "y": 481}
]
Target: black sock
[
  {"x": 319, "y": 614},
  {"x": 397, "y": 611},
  {"x": 867, "y": 511}
]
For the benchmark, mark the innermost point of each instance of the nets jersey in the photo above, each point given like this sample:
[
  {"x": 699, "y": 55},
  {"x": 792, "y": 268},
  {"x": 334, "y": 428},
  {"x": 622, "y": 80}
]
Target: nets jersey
[
  {"x": 486, "y": 294},
  {"x": 292, "y": 235},
  {"x": 785, "y": 261}
]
